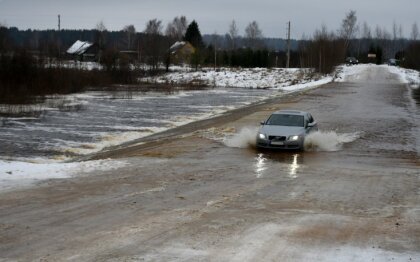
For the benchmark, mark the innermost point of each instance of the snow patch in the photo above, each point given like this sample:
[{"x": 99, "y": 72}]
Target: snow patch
[
  {"x": 16, "y": 174},
  {"x": 407, "y": 76},
  {"x": 350, "y": 73},
  {"x": 346, "y": 73},
  {"x": 275, "y": 78}
]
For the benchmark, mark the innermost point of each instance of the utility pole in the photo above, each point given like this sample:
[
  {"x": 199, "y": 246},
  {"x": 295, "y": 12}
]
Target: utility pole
[
  {"x": 288, "y": 45},
  {"x": 215, "y": 57},
  {"x": 58, "y": 40},
  {"x": 215, "y": 49}
]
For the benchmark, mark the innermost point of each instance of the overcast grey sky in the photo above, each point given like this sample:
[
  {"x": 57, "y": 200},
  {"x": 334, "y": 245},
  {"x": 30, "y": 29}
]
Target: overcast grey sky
[{"x": 212, "y": 16}]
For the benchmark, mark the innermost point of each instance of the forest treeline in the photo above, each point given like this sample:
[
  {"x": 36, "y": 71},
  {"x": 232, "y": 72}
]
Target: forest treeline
[
  {"x": 30, "y": 59},
  {"x": 322, "y": 51}
]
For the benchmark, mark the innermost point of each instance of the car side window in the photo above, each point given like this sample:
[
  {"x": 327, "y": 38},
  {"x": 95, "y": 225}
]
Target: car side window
[{"x": 311, "y": 119}]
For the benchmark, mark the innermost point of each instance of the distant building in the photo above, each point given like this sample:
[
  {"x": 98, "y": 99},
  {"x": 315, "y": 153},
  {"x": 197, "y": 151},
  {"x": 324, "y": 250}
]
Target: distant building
[
  {"x": 83, "y": 51},
  {"x": 181, "y": 52},
  {"x": 132, "y": 56},
  {"x": 372, "y": 58}
]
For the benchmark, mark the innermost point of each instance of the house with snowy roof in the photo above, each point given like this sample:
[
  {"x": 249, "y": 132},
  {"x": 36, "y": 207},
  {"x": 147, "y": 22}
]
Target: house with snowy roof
[
  {"x": 83, "y": 50},
  {"x": 181, "y": 52}
]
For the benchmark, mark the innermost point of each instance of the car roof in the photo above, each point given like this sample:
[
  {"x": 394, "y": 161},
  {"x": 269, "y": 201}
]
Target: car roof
[{"x": 291, "y": 112}]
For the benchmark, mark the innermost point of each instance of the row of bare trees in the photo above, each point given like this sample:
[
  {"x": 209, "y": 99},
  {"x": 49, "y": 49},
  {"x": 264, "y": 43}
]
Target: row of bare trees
[
  {"x": 322, "y": 50},
  {"x": 326, "y": 49}
]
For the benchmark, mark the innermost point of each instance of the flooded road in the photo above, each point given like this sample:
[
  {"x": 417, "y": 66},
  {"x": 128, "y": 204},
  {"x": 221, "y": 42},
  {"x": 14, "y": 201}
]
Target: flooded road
[
  {"x": 74, "y": 125},
  {"x": 204, "y": 193}
]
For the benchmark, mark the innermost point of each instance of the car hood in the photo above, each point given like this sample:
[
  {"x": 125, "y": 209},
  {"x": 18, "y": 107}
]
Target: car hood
[{"x": 272, "y": 130}]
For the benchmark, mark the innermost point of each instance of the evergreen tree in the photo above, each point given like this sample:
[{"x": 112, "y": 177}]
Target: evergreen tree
[{"x": 193, "y": 35}]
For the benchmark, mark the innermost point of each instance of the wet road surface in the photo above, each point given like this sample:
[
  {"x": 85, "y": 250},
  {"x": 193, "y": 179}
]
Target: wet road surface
[{"x": 192, "y": 198}]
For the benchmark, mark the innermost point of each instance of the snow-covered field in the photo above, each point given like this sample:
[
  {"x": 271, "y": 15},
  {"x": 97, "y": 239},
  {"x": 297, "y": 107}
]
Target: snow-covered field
[{"x": 274, "y": 78}]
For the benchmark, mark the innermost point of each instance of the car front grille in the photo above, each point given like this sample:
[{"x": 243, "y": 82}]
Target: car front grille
[{"x": 277, "y": 138}]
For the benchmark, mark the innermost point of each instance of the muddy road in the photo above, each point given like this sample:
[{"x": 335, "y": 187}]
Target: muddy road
[{"x": 202, "y": 194}]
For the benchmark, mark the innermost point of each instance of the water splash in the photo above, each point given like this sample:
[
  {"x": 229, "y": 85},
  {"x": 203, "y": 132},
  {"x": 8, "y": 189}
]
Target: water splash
[
  {"x": 244, "y": 139},
  {"x": 316, "y": 141},
  {"x": 328, "y": 141}
]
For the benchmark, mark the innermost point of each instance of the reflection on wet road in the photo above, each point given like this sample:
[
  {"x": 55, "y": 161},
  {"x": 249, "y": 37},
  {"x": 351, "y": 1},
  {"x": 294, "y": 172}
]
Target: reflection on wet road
[
  {"x": 294, "y": 166},
  {"x": 260, "y": 165},
  {"x": 281, "y": 162}
]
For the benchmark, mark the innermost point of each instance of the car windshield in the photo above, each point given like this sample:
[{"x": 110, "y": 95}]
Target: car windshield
[{"x": 285, "y": 120}]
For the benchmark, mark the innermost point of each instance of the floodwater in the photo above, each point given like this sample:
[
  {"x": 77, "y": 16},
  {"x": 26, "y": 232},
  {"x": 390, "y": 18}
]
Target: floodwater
[{"x": 88, "y": 122}]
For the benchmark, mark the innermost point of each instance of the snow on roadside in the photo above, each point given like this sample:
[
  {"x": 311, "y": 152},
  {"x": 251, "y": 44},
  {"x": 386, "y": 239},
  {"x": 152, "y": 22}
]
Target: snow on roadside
[
  {"x": 407, "y": 76},
  {"x": 76, "y": 65},
  {"x": 276, "y": 78},
  {"x": 346, "y": 73},
  {"x": 312, "y": 84},
  {"x": 14, "y": 174}
]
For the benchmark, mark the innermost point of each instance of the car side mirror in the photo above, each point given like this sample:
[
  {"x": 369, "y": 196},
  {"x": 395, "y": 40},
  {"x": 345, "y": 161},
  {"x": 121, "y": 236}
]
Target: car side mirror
[
  {"x": 262, "y": 123},
  {"x": 311, "y": 124}
]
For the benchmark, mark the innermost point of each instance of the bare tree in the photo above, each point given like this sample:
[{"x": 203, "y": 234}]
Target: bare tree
[
  {"x": 394, "y": 31},
  {"x": 385, "y": 41},
  {"x": 253, "y": 34},
  {"x": 181, "y": 25},
  {"x": 130, "y": 31},
  {"x": 177, "y": 28},
  {"x": 400, "y": 32},
  {"x": 348, "y": 28},
  {"x": 100, "y": 38},
  {"x": 324, "y": 52},
  {"x": 385, "y": 34},
  {"x": 4, "y": 38},
  {"x": 100, "y": 26},
  {"x": 366, "y": 31},
  {"x": 394, "y": 38},
  {"x": 414, "y": 32},
  {"x": 153, "y": 27},
  {"x": 382, "y": 33},
  {"x": 365, "y": 38},
  {"x": 233, "y": 34},
  {"x": 378, "y": 32},
  {"x": 170, "y": 31},
  {"x": 153, "y": 41}
]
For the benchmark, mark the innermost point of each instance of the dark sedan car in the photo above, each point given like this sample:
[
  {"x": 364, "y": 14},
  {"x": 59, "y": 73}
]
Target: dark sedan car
[{"x": 351, "y": 61}]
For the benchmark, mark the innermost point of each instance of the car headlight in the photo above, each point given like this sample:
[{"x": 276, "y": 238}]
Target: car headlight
[
  {"x": 293, "y": 138},
  {"x": 261, "y": 136}
]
